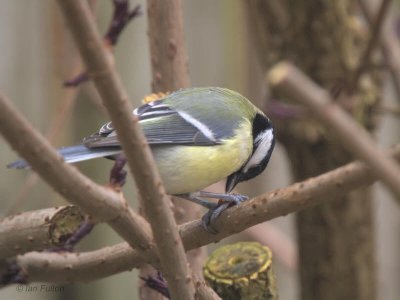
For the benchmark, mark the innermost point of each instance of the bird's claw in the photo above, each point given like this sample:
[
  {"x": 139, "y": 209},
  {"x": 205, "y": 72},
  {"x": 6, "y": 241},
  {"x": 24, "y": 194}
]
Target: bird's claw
[
  {"x": 223, "y": 204},
  {"x": 212, "y": 215}
]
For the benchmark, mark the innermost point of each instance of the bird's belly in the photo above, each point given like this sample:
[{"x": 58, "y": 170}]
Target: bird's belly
[{"x": 185, "y": 169}]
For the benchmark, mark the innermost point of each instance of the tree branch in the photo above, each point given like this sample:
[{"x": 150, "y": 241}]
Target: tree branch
[
  {"x": 376, "y": 26},
  {"x": 38, "y": 230},
  {"x": 167, "y": 46},
  {"x": 73, "y": 267},
  {"x": 203, "y": 290},
  {"x": 169, "y": 73},
  {"x": 140, "y": 160},
  {"x": 97, "y": 201},
  {"x": 389, "y": 45},
  {"x": 291, "y": 81}
]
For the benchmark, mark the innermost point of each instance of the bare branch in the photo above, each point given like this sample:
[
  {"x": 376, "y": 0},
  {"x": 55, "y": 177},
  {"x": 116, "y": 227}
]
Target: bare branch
[
  {"x": 140, "y": 160},
  {"x": 389, "y": 45},
  {"x": 373, "y": 41},
  {"x": 203, "y": 290},
  {"x": 169, "y": 73},
  {"x": 79, "y": 267},
  {"x": 291, "y": 81},
  {"x": 66, "y": 104},
  {"x": 167, "y": 47},
  {"x": 38, "y": 230},
  {"x": 104, "y": 262},
  {"x": 99, "y": 202}
]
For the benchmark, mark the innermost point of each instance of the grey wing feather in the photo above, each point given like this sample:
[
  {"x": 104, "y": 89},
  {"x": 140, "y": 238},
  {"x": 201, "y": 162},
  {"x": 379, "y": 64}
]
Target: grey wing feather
[{"x": 162, "y": 125}]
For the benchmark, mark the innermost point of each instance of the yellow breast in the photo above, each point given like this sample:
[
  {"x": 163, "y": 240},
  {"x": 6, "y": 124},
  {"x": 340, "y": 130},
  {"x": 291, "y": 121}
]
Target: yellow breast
[{"x": 187, "y": 169}]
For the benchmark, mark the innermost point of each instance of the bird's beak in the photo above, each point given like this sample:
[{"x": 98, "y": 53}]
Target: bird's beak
[{"x": 232, "y": 181}]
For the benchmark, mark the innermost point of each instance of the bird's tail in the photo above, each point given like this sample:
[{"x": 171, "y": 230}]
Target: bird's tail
[{"x": 73, "y": 154}]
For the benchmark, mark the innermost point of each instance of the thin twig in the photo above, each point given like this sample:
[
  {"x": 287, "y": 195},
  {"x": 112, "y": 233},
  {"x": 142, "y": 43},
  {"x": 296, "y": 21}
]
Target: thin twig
[
  {"x": 104, "y": 262},
  {"x": 389, "y": 45},
  {"x": 291, "y": 81},
  {"x": 120, "y": 19},
  {"x": 372, "y": 43},
  {"x": 140, "y": 160}
]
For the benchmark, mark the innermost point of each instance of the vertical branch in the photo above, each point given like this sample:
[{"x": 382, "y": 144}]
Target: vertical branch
[
  {"x": 167, "y": 47},
  {"x": 169, "y": 65},
  {"x": 136, "y": 149}
]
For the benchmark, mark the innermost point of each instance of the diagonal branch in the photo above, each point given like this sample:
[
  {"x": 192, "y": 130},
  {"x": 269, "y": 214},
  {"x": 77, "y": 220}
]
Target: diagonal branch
[
  {"x": 140, "y": 160},
  {"x": 97, "y": 201},
  {"x": 74, "y": 267},
  {"x": 291, "y": 81}
]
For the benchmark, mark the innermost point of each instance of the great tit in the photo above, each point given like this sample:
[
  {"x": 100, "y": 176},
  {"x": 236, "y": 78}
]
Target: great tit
[{"x": 198, "y": 136}]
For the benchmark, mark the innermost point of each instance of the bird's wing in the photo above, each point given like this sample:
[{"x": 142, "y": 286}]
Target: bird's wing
[{"x": 162, "y": 125}]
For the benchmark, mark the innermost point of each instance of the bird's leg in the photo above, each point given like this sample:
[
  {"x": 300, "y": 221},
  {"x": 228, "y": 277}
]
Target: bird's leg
[
  {"x": 232, "y": 198},
  {"x": 214, "y": 209},
  {"x": 194, "y": 197}
]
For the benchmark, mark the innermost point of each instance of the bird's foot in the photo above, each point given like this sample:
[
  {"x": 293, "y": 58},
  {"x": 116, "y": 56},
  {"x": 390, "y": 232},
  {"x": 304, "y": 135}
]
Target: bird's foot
[
  {"x": 214, "y": 209},
  {"x": 225, "y": 201}
]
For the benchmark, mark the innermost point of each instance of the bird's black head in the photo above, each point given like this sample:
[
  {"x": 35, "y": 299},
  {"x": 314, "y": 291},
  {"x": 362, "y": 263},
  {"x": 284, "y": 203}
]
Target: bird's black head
[{"x": 263, "y": 144}]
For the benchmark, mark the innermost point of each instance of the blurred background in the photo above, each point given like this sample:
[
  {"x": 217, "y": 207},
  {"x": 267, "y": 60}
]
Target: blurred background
[{"x": 37, "y": 55}]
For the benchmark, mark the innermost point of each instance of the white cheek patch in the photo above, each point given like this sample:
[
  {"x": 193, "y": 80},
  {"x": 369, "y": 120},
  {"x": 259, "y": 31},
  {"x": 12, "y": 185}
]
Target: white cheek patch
[
  {"x": 264, "y": 140},
  {"x": 200, "y": 126}
]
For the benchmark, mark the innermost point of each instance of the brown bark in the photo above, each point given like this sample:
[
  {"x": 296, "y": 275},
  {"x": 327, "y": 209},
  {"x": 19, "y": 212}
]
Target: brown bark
[
  {"x": 37, "y": 230},
  {"x": 92, "y": 265},
  {"x": 155, "y": 201},
  {"x": 289, "y": 80},
  {"x": 167, "y": 47},
  {"x": 320, "y": 37},
  {"x": 169, "y": 64}
]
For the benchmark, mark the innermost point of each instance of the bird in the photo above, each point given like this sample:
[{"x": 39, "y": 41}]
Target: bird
[{"x": 198, "y": 136}]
